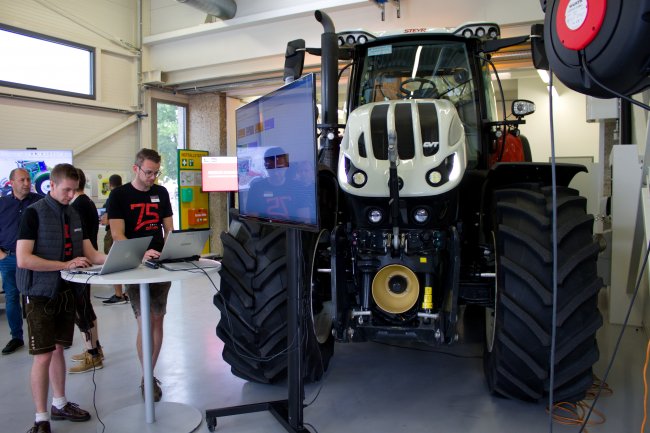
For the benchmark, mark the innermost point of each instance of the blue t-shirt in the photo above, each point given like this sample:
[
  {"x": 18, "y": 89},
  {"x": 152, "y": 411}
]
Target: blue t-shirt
[{"x": 11, "y": 211}]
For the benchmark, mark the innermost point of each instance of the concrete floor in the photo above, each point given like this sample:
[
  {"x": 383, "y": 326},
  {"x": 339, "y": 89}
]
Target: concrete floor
[{"x": 370, "y": 387}]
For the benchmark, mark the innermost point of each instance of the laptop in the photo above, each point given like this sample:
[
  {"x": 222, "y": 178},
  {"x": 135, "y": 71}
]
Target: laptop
[
  {"x": 183, "y": 245},
  {"x": 123, "y": 255}
]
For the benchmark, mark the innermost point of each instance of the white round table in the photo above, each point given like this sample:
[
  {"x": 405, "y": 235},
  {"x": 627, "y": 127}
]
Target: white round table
[{"x": 173, "y": 417}]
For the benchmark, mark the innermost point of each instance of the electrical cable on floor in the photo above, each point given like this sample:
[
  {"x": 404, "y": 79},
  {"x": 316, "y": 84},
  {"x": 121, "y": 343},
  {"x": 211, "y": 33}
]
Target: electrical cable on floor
[
  {"x": 573, "y": 414},
  {"x": 619, "y": 339},
  {"x": 88, "y": 334},
  {"x": 430, "y": 350},
  {"x": 645, "y": 387},
  {"x": 596, "y": 385}
]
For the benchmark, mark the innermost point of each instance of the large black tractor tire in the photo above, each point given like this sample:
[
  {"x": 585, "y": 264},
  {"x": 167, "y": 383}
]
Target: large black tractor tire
[
  {"x": 253, "y": 305},
  {"x": 519, "y": 327}
]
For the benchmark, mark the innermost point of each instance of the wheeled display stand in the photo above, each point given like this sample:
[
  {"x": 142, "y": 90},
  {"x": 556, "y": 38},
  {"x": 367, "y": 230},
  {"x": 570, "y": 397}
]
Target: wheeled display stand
[{"x": 288, "y": 412}]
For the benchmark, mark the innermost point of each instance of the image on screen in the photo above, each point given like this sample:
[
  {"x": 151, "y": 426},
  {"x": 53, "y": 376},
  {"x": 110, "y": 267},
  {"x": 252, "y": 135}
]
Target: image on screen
[
  {"x": 38, "y": 164},
  {"x": 276, "y": 156}
]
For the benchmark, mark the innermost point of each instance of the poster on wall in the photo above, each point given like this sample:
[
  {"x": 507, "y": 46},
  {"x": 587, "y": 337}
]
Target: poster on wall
[
  {"x": 97, "y": 183},
  {"x": 193, "y": 203},
  {"x": 38, "y": 164}
]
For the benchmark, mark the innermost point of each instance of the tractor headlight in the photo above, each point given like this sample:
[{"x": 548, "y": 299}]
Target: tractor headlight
[
  {"x": 375, "y": 216},
  {"x": 421, "y": 215},
  {"x": 434, "y": 177},
  {"x": 359, "y": 179}
]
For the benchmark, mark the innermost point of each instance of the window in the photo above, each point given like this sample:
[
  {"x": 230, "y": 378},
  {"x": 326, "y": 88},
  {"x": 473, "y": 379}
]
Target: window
[
  {"x": 170, "y": 134},
  {"x": 37, "y": 62}
]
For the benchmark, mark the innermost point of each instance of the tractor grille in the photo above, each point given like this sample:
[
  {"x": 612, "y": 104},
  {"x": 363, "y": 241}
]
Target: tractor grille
[{"x": 404, "y": 130}]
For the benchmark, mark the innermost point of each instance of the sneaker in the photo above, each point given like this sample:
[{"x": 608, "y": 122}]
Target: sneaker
[
  {"x": 115, "y": 300},
  {"x": 157, "y": 390},
  {"x": 13, "y": 345},
  {"x": 71, "y": 412},
  {"x": 89, "y": 363},
  {"x": 41, "y": 427},
  {"x": 79, "y": 357}
]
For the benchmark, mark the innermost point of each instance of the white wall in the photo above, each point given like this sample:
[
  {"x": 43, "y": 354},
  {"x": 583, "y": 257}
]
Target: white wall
[
  {"x": 100, "y": 139},
  {"x": 573, "y": 135}
]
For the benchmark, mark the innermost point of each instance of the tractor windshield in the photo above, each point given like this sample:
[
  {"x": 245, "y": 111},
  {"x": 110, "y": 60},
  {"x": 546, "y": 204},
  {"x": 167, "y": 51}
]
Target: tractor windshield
[{"x": 422, "y": 69}]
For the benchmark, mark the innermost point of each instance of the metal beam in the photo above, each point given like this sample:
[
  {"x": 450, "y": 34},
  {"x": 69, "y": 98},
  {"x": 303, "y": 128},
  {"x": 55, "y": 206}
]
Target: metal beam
[{"x": 90, "y": 143}]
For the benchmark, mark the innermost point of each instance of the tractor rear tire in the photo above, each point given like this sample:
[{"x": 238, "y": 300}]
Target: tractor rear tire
[
  {"x": 253, "y": 305},
  {"x": 518, "y": 343}
]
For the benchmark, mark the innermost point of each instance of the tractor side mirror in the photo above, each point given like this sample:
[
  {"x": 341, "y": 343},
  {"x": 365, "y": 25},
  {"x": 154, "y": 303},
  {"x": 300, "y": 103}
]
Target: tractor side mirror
[
  {"x": 294, "y": 60},
  {"x": 522, "y": 107},
  {"x": 540, "y": 60}
]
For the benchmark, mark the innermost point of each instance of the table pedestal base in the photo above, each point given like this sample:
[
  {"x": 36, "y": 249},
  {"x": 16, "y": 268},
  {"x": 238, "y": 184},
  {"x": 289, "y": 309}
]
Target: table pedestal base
[{"x": 170, "y": 418}]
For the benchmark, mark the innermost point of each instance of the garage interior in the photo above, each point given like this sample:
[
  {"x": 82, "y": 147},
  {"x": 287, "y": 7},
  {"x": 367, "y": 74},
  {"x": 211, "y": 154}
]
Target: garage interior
[{"x": 150, "y": 52}]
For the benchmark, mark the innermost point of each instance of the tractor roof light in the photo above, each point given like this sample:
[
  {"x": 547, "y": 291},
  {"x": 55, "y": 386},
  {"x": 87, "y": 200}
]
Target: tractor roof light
[
  {"x": 482, "y": 31},
  {"x": 354, "y": 37}
]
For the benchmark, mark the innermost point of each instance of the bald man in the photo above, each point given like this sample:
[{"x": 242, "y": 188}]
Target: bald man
[{"x": 11, "y": 209}]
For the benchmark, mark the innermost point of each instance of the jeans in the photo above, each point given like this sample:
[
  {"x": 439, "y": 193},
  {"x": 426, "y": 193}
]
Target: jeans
[{"x": 12, "y": 296}]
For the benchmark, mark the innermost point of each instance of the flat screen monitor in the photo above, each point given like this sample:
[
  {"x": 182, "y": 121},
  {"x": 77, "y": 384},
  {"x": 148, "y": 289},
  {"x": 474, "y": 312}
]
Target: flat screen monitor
[
  {"x": 276, "y": 156},
  {"x": 38, "y": 164}
]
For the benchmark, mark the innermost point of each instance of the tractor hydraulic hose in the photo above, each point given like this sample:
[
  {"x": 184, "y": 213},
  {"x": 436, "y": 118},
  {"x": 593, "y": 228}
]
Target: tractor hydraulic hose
[{"x": 393, "y": 186}]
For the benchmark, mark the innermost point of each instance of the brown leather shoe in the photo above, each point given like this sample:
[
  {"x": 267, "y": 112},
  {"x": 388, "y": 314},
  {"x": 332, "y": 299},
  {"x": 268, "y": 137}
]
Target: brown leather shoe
[
  {"x": 71, "y": 412},
  {"x": 157, "y": 390},
  {"x": 41, "y": 427}
]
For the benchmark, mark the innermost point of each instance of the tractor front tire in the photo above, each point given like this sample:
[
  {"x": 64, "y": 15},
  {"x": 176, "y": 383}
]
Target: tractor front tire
[
  {"x": 253, "y": 305},
  {"x": 518, "y": 343}
]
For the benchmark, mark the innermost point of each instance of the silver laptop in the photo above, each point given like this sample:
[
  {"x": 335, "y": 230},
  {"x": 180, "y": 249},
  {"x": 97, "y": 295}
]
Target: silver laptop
[
  {"x": 183, "y": 245},
  {"x": 123, "y": 255}
]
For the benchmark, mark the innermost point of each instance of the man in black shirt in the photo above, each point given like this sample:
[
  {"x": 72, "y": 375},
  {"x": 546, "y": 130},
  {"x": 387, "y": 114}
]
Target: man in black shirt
[
  {"x": 142, "y": 208},
  {"x": 85, "y": 318},
  {"x": 119, "y": 297},
  {"x": 11, "y": 209},
  {"x": 51, "y": 238}
]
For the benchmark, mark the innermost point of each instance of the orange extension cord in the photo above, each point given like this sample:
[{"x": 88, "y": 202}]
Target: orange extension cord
[
  {"x": 645, "y": 387},
  {"x": 574, "y": 413}
]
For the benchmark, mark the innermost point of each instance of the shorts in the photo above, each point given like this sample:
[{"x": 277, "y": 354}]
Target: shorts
[
  {"x": 158, "y": 297},
  {"x": 84, "y": 311},
  {"x": 50, "y": 321},
  {"x": 108, "y": 241}
]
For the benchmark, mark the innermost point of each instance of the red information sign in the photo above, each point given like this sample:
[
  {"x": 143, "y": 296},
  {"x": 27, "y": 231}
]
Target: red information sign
[{"x": 218, "y": 173}]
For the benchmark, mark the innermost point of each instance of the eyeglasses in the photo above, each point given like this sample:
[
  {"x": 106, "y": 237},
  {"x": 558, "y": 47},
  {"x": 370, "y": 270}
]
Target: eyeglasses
[{"x": 149, "y": 173}]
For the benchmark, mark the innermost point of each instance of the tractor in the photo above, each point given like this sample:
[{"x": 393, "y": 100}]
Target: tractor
[{"x": 429, "y": 204}]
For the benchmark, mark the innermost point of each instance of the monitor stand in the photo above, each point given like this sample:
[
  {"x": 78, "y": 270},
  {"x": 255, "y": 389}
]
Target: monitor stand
[{"x": 288, "y": 412}]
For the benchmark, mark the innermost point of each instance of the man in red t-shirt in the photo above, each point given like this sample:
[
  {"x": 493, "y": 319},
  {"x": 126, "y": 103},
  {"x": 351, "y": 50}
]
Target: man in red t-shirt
[{"x": 137, "y": 209}]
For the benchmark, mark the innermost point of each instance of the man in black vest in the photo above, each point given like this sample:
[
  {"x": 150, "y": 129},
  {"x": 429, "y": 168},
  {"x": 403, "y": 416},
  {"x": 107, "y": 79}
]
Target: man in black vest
[{"x": 51, "y": 238}]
